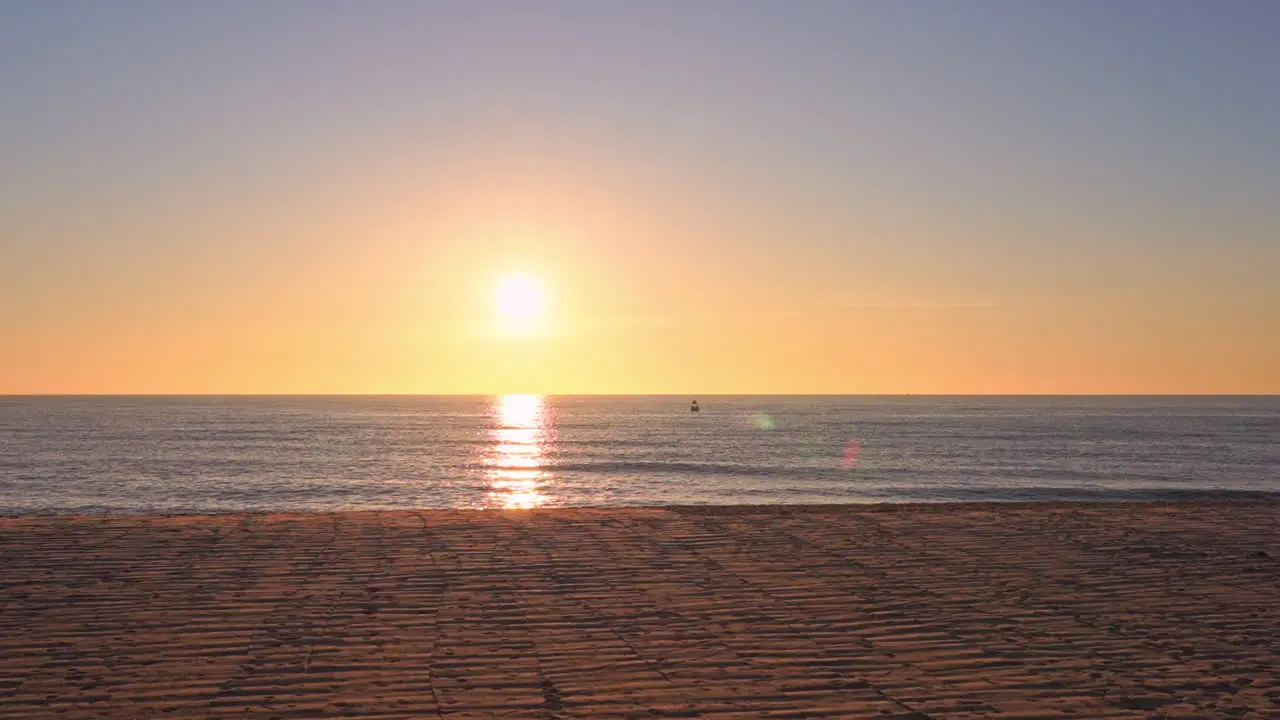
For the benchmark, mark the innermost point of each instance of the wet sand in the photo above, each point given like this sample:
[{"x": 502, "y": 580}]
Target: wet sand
[{"x": 957, "y": 611}]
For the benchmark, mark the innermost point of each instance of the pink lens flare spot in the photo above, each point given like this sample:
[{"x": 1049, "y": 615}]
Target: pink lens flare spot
[{"x": 852, "y": 451}]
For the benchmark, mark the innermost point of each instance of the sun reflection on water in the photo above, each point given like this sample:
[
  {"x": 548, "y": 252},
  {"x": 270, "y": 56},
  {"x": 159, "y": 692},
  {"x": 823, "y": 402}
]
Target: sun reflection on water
[{"x": 516, "y": 460}]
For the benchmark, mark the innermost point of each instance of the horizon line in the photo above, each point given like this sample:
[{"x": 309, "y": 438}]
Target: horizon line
[{"x": 625, "y": 394}]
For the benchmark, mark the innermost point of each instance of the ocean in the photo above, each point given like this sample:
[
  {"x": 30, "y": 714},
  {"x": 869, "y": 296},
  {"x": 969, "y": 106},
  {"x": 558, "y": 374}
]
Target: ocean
[{"x": 201, "y": 454}]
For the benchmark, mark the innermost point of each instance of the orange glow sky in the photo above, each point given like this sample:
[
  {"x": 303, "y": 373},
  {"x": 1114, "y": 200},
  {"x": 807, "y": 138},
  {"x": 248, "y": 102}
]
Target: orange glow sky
[{"x": 717, "y": 198}]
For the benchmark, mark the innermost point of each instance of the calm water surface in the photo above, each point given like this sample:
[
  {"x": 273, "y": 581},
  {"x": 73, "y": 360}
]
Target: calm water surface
[{"x": 205, "y": 454}]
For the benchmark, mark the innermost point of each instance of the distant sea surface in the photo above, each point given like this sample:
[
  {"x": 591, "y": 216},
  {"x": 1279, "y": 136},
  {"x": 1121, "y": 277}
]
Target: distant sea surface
[{"x": 216, "y": 454}]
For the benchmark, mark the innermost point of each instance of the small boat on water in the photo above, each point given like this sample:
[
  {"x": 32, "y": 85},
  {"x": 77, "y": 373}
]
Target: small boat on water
[{"x": 694, "y": 407}]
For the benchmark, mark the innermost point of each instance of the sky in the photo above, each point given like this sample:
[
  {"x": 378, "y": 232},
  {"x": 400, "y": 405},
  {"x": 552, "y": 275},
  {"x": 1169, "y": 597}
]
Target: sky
[{"x": 307, "y": 196}]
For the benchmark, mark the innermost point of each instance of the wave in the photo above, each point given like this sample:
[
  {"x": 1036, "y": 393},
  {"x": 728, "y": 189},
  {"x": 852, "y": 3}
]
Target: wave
[
  {"x": 957, "y": 493},
  {"x": 659, "y": 467}
]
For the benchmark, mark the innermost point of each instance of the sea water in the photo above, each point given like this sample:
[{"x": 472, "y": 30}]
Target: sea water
[{"x": 98, "y": 454}]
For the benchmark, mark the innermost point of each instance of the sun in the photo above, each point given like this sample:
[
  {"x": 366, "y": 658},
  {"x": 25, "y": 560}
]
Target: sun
[
  {"x": 520, "y": 297},
  {"x": 520, "y": 302}
]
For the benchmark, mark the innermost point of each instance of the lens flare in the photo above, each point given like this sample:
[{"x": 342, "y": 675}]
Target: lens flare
[
  {"x": 764, "y": 422},
  {"x": 852, "y": 452}
]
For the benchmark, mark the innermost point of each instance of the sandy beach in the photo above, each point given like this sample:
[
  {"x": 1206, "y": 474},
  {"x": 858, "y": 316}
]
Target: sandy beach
[{"x": 956, "y": 611}]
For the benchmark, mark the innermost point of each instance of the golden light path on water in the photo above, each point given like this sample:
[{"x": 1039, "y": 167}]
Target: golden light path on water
[{"x": 520, "y": 435}]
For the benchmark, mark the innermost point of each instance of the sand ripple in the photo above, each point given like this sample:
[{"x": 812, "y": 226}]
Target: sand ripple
[{"x": 1129, "y": 610}]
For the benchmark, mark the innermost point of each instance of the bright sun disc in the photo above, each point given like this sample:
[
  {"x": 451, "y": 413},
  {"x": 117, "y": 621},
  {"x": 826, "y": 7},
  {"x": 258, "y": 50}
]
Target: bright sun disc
[{"x": 519, "y": 297}]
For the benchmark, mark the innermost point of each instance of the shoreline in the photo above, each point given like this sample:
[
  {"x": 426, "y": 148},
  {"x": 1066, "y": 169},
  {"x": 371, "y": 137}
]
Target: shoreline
[
  {"x": 1260, "y": 497},
  {"x": 910, "y": 611}
]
